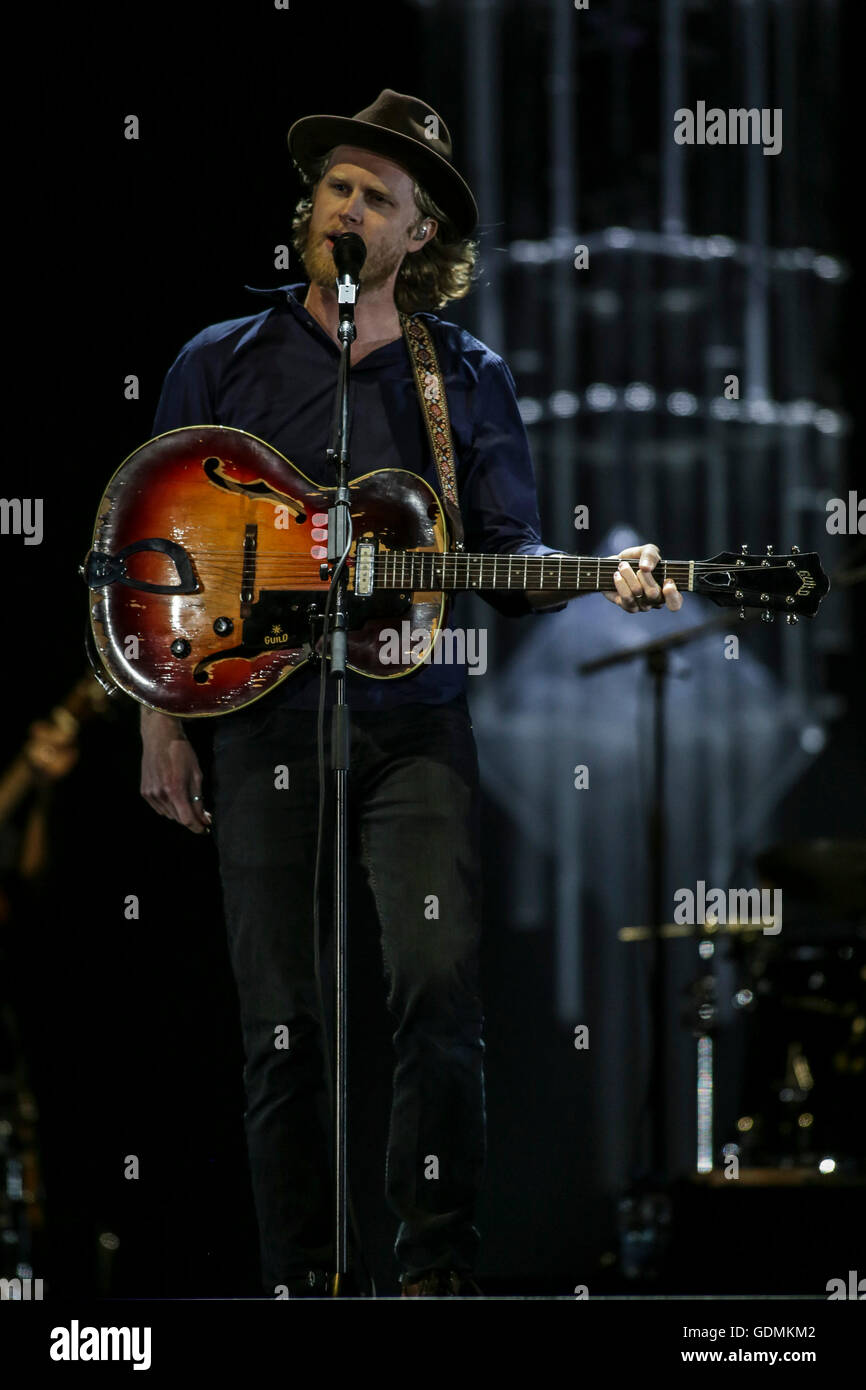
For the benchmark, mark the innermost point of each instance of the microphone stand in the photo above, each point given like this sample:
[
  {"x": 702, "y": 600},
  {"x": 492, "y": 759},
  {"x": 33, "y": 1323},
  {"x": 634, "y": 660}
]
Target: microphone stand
[
  {"x": 646, "y": 1211},
  {"x": 339, "y": 540}
]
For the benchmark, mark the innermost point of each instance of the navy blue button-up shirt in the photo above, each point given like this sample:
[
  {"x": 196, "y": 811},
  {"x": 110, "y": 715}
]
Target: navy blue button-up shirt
[{"x": 274, "y": 374}]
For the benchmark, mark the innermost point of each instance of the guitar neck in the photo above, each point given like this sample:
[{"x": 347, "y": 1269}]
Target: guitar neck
[{"x": 566, "y": 574}]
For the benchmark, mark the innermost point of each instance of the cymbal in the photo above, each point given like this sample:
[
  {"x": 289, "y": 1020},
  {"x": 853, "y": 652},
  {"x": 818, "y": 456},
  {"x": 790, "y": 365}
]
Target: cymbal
[
  {"x": 709, "y": 928},
  {"x": 830, "y": 871}
]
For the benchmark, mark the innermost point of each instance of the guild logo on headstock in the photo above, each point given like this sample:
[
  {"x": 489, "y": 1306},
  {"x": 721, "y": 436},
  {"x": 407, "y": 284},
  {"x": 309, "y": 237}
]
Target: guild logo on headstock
[
  {"x": 276, "y": 637},
  {"x": 808, "y": 582}
]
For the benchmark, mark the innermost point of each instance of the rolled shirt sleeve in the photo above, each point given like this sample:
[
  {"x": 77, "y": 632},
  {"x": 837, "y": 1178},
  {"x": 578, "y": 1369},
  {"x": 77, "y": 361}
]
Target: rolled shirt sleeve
[{"x": 498, "y": 499}]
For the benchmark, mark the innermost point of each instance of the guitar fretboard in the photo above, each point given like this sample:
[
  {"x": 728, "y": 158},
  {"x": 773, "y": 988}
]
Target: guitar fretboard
[{"x": 572, "y": 574}]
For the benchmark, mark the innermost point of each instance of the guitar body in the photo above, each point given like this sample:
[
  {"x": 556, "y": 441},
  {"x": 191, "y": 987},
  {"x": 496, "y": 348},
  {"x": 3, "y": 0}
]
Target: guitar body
[
  {"x": 205, "y": 570},
  {"x": 208, "y": 573}
]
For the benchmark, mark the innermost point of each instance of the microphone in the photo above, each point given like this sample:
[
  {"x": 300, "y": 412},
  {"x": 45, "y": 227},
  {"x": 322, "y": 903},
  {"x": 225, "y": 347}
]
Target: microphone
[{"x": 350, "y": 253}]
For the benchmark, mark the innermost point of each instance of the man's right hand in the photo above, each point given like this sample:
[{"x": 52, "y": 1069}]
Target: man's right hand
[{"x": 171, "y": 777}]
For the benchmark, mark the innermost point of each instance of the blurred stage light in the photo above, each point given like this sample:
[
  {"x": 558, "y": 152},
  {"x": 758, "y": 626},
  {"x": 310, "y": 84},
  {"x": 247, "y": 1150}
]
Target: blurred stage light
[
  {"x": 762, "y": 411},
  {"x": 677, "y": 246},
  {"x": 812, "y": 738},
  {"x": 682, "y": 403},
  {"x": 600, "y": 396},
  {"x": 530, "y": 409},
  {"x": 639, "y": 396},
  {"x": 828, "y": 422},
  {"x": 605, "y": 304},
  {"x": 798, "y": 412},
  {"x": 619, "y": 237},
  {"x": 828, "y": 268},
  {"x": 564, "y": 403}
]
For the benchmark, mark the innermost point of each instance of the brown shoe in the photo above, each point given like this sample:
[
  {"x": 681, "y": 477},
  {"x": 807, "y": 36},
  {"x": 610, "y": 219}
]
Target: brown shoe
[{"x": 440, "y": 1283}]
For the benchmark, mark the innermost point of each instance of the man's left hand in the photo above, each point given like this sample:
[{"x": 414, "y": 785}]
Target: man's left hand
[{"x": 636, "y": 588}]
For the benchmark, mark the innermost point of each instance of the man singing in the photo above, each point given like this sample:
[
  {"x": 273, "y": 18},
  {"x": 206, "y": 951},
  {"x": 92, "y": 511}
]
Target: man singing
[{"x": 385, "y": 174}]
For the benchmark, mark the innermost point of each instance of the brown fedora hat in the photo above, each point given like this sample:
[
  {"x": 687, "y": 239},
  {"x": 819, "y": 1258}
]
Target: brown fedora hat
[{"x": 402, "y": 129}]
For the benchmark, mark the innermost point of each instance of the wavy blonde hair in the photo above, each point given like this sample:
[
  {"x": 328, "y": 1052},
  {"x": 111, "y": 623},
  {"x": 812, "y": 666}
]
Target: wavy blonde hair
[{"x": 429, "y": 279}]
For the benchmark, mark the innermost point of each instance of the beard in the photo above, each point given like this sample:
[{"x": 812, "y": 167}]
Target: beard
[{"x": 377, "y": 269}]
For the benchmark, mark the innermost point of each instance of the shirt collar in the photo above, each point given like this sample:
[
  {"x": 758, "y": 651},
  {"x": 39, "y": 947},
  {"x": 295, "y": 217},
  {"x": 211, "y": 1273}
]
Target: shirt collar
[
  {"x": 289, "y": 297},
  {"x": 282, "y": 294}
]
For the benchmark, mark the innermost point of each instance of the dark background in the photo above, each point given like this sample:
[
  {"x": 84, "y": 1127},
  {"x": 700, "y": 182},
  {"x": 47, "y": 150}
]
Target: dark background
[{"x": 126, "y": 249}]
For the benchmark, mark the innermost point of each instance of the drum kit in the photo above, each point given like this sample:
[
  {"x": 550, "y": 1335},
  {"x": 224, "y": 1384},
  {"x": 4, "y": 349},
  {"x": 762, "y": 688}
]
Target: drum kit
[
  {"x": 798, "y": 1002},
  {"x": 795, "y": 1021},
  {"x": 802, "y": 997}
]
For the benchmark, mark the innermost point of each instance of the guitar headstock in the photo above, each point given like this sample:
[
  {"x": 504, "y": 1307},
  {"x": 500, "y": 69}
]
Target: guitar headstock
[{"x": 792, "y": 584}]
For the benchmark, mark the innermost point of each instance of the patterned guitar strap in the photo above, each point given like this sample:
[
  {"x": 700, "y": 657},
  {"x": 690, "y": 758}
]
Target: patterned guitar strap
[{"x": 431, "y": 393}]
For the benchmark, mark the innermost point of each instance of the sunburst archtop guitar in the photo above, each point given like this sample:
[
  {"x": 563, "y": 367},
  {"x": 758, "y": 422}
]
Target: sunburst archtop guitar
[{"x": 208, "y": 572}]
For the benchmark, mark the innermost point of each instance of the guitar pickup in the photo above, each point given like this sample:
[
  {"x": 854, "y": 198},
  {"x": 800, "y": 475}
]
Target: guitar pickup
[{"x": 365, "y": 556}]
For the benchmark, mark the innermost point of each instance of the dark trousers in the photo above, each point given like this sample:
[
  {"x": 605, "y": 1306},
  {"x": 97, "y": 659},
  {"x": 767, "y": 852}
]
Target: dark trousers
[{"x": 413, "y": 800}]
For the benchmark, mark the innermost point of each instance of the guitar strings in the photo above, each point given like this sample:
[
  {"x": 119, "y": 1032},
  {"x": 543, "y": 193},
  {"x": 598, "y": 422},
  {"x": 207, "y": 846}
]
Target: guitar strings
[
  {"x": 234, "y": 560},
  {"x": 235, "y": 553}
]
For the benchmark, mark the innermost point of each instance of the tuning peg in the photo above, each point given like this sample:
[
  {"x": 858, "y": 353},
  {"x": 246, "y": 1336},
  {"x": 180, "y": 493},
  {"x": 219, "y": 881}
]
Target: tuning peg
[
  {"x": 795, "y": 550},
  {"x": 767, "y": 616},
  {"x": 744, "y": 549},
  {"x": 769, "y": 550},
  {"x": 791, "y": 619}
]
